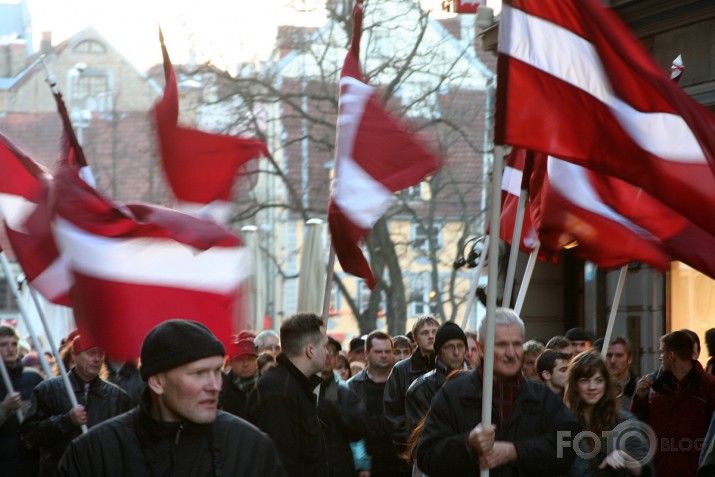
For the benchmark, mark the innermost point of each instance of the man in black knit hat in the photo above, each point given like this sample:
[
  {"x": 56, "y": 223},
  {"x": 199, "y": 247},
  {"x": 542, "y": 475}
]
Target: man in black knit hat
[{"x": 176, "y": 430}]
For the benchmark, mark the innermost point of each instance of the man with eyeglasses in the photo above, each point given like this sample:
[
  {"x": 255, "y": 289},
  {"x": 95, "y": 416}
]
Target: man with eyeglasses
[
  {"x": 52, "y": 422},
  {"x": 268, "y": 341},
  {"x": 450, "y": 346}
]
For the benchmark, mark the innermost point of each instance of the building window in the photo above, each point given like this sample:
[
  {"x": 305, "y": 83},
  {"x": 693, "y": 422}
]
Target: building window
[
  {"x": 7, "y": 301},
  {"x": 90, "y": 46},
  {"x": 419, "y": 296},
  {"x": 420, "y": 237},
  {"x": 413, "y": 193}
]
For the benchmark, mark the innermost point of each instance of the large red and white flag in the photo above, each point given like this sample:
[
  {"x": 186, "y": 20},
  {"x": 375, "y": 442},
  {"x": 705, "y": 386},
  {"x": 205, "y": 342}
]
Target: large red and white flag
[
  {"x": 201, "y": 167},
  {"x": 375, "y": 158},
  {"x": 680, "y": 238},
  {"x": 568, "y": 211},
  {"x": 573, "y": 82},
  {"x": 24, "y": 209},
  {"x": 137, "y": 265}
]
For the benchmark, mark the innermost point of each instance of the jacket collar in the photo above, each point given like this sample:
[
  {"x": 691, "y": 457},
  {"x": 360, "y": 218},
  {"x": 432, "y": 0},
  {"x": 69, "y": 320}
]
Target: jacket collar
[
  {"x": 421, "y": 363},
  {"x": 156, "y": 429},
  {"x": 78, "y": 383},
  {"x": 307, "y": 384}
]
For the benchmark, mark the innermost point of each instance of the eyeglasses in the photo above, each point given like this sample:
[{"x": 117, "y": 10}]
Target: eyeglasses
[{"x": 451, "y": 348}]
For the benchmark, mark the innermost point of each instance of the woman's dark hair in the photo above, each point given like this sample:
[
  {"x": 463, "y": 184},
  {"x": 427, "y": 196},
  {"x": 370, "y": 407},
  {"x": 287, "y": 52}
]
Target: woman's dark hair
[{"x": 604, "y": 415}]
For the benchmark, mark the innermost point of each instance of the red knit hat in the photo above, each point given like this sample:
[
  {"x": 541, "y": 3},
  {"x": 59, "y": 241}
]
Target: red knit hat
[
  {"x": 80, "y": 343},
  {"x": 243, "y": 348}
]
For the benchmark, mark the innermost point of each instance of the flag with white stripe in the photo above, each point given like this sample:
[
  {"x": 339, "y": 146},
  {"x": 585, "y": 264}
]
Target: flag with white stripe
[
  {"x": 375, "y": 158},
  {"x": 24, "y": 209},
  {"x": 137, "y": 265},
  {"x": 573, "y": 82}
]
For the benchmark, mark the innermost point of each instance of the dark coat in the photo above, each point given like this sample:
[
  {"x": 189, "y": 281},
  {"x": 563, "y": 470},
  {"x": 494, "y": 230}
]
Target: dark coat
[
  {"x": 678, "y": 416},
  {"x": 283, "y": 406},
  {"x": 129, "y": 379},
  {"x": 378, "y": 436},
  {"x": 401, "y": 376},
  {"x": 420, "y": 393},
  {"x": 537, "y": 415},
  {"x": 344, "y": 418},
  {"x": 47, "y": 423},
  {"x": 233, "y": 400},
  {"x": 136, "y": 444},
  {"x": 15, "y": 458}
]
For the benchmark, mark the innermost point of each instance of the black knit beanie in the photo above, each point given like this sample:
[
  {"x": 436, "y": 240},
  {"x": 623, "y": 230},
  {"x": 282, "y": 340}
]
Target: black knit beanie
[
  {"x": 174, "y": 343},
  {"x": 446, "y": 332}
]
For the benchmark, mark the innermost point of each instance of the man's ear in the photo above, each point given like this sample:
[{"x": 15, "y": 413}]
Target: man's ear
[
  {"x": 480, "y": 351},
  {"x": 309, "y": 350},
  {"x": 156, "y": 383},
  {"x": 545, "y": 375}
]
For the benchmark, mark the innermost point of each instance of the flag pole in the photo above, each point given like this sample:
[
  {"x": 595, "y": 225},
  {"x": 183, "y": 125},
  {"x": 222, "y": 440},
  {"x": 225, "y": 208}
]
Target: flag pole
[
  {"x": 8, "y": 386},
  {"x": 55, "y": 353},
  {"x": 614, "y": 309},
  {"x": 514, "y": 251},
  {"x": 23, "y": 311},
  {"x": 328, "y": 283},
  {"x": 527, "y": 278},
  {"x": 475, "y": 283},
  {"x": 493, "y": 274}
]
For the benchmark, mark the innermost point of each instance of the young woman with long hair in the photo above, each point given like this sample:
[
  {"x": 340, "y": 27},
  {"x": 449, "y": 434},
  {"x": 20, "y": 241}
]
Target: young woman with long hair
[{"x": 616, "y": 444}]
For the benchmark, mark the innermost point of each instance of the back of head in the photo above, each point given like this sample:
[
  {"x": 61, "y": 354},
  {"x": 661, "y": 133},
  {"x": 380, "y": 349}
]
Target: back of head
[
  {"x": 298, "y": 331},
  {"x": 557, "y": 343},
  {"x": 680, "y": 343},
  {"x": 174, "y": 343},
  {"x": 710, "y": 341},
  {"x": 578, "y": 334},
  {"x": 693, "y": 337},
  {"x": 533, "y": 347},
  {"x": 502, "y": 316}
]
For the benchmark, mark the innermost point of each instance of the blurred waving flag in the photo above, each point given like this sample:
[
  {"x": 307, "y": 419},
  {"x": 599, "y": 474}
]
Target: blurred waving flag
[
  {"x": 201, "y": 167},
  {"x": 136, "y": 265},
  {"x": 24, "y": 209},
  {"x": 375, "y": 158},
  {"x": 569, "y": 212},
  {"x": 516, "y": 177},
  {"x": 573, "y": 82}
]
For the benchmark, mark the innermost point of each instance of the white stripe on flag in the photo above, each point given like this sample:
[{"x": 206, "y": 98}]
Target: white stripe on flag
[
  {"x": 153, "y": 261},
  {"x": 511, "y": 180},
  {"x": 15, "y": 209},
  {"x": 55, "y": 280},
  {"x": 361, "y": 198},
  {"x": 573, "y": 184},
  {"x": 563, "y": 54},
  {"x": 218, "y": 210}
]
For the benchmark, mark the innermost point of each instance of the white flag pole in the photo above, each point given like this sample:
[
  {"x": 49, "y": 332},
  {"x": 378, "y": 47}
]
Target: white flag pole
[
  {"x": 475, "y": 283},
  {"x": 514, "y": 252},
  {"x": 527, "y": 278},
  {"x": 614, "y": 309},
  {"x": 23, "y": 311},
  {"x": 328, "y": 283},
  {"x": 31, "y": 330},
  {"x": 493, "y": 274},
  {"x": 9, "y": 387}
]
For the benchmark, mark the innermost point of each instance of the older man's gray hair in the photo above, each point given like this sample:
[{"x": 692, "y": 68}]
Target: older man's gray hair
[
  {"x": 260, "y": 339},
  {"x": 502, "y": 316}
]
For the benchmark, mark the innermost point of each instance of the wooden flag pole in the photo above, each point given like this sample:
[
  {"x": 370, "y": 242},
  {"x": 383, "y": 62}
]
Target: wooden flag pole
[
  {"x": 33, "y": 335},
  {"x": 614, "y": 309},
  {"x": 527, "y": 279}
]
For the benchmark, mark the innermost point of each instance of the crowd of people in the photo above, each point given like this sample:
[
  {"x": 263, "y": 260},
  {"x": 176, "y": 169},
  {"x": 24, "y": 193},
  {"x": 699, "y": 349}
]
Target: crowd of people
[{"x": 295, "y": 403}]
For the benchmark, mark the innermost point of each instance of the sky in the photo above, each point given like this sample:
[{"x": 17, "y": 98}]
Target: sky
[{"x": 226, "y": 31}]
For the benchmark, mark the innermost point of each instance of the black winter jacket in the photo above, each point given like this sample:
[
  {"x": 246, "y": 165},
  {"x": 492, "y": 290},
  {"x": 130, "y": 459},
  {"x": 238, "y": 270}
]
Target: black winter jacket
[
  {"x": 128, "y": 378},
  {"x": 136, "y": 444},
  {"x": 420, "y": 393},
  {"x": 283, "y": 406},
  {"x": 15, "y": 458},
  {"x": 233, "y": 399},
  {"x": 401, "y": 376},
  {"x": 47, "y": 423},
  {"x": 537, "y": 415},
  {"x": 345, "y": 421}
]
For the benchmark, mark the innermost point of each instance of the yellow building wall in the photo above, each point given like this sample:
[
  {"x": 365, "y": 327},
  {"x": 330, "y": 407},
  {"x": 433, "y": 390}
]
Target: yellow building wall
[{"x": 691, "y": 302}]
